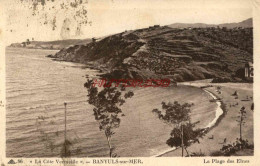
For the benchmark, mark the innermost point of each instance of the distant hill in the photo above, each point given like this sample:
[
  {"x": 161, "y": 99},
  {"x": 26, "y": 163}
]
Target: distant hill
[
  {"x": 58, "y": 44},
  {"x": 244, "y": 24},
  {"x": 165, "y": 52}
]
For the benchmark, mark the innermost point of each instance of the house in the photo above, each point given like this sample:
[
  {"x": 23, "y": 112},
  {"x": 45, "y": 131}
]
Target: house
[
  {"x": 154, "y": 27},
  {"x": 23, "y": 44},
  {"x": 94, "y": 40},
  {"x": 249, "y": 70},
  {"x": 151, "y": 28}
]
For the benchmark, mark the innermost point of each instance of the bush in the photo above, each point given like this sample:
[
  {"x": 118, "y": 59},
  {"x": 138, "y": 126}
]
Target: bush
[
  {"x": 231, "y": 149},
  {"x": 197, "y": 154}
]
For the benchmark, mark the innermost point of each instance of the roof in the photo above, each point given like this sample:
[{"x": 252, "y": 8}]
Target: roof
[{"x": 250, "y": 64}]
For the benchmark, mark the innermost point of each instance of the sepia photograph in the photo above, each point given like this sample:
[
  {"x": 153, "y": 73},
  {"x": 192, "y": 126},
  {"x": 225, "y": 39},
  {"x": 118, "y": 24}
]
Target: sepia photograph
[{"x": 120, "y": 79}]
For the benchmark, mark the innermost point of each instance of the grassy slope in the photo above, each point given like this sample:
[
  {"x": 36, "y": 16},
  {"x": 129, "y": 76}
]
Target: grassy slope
[{"x": 179, "y": 54}]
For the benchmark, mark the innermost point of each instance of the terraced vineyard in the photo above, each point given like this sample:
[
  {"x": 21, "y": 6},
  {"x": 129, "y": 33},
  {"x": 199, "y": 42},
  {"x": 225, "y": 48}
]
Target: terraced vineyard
[{"x": 181, "y": 54}]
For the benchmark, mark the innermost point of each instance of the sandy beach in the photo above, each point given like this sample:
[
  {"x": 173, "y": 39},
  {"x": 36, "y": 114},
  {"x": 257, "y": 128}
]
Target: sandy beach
[{"x": 228, "y": 127}]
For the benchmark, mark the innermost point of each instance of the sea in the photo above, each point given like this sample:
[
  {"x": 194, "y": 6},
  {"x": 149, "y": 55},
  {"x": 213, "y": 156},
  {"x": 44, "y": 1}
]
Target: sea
[{"x": 37, "y": 88}]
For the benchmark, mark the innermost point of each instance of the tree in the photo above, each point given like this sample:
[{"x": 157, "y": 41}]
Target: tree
[
  {"x": 184, "y": 136},
  {"x": 240, "y": 144},
  {"x": 28, "y": 41},
  {"x": 241, "y": 120},
  {"x": 50, "y": 136},
  {"x": 178, "y": 115},
  {"x": 107, "y": 111},
  {"x": 252, "y": 107}
]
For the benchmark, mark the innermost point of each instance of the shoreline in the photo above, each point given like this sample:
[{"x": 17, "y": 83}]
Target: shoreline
[
  {"x": 219, "y": 114},
  {"x": 219, "y": 111},
  {"x": 32, "y": 48}
]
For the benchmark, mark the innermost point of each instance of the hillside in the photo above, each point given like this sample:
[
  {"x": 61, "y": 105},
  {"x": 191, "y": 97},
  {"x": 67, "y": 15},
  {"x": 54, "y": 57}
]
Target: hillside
[
  {"x": 58, "y": 44},
  {"x": 243, "y": 24},
  {"x": 165, "y": 52}
]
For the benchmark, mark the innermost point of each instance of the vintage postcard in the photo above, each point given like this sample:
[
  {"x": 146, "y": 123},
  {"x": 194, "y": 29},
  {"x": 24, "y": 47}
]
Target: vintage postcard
[{"x": 129, "y": 82}]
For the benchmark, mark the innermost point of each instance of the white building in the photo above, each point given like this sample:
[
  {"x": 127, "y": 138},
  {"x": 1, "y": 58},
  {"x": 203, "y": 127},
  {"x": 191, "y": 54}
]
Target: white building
[{"x": 249, "y": 70}]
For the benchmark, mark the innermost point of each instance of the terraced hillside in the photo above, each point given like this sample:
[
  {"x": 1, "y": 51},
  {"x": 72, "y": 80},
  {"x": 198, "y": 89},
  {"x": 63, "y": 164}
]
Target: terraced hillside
[{"x": 162, "y": 52}]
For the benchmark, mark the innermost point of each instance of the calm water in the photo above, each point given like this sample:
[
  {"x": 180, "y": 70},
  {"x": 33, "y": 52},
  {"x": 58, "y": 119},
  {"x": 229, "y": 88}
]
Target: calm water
[{"x": 36, "y": 89}]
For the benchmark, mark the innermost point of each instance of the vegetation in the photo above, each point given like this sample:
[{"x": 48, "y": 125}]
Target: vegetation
[
  {"x": 65, "y": 150},
  {"x": 240, "y": 144},
  {"x": 197, "y": 154},
  {"x": 183, "y": 132},
  {"x": 49, "y": 139},
  {"x": 107, "y": 111},
  {"x": 241, "y": 121},
  {"x": 232, "y": 149},
  {"x": 163, "y": 52},
  {"x": 58, "y": 44},
  {"x": 237, "y": 37}
]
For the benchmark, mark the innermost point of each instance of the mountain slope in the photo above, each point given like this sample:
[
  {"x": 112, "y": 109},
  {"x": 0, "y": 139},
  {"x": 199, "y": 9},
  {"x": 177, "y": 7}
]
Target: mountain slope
[
  {"x": 244, "y": 24},
  {"x": 164, "y": 52}
]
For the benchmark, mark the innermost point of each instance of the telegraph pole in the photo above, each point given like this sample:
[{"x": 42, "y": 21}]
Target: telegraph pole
[
  {"x": 182, "y": 147},
  {"x": 65, "y": 131}
]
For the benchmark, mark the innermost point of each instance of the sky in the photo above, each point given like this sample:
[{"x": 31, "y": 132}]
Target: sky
[{"x": 105, "y": 17}]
